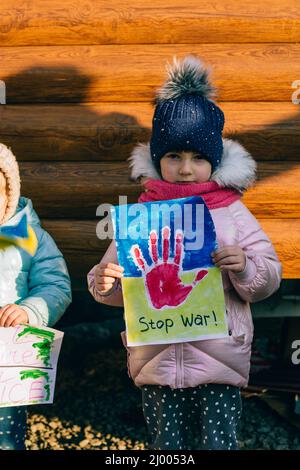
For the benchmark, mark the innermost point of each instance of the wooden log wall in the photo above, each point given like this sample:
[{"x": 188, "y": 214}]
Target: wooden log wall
[{"x": 80, "y": 77}]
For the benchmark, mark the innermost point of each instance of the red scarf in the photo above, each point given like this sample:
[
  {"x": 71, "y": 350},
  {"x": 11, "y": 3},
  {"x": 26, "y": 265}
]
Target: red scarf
[{"x": 214, "y": 196}]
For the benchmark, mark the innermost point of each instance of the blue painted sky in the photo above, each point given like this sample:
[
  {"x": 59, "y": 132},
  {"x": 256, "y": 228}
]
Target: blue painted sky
[{"x": 136, "y": 221}]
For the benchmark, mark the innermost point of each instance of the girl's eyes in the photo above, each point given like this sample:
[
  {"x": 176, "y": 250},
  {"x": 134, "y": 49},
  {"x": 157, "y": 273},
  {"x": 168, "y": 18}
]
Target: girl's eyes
[
  {"x": 198, "y": 157},
  {"x": 175, "y": 156}
]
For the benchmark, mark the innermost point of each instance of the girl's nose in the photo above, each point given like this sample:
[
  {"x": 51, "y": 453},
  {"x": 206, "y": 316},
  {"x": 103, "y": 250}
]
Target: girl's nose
[{"x": 185, "y": 168}]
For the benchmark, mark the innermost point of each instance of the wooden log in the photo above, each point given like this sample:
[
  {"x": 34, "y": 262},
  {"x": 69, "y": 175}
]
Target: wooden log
[
  {"x": 109, "y": 131},
  {"x": 158, "y": 21},
  {"x": 277, "y": 191},
  {"x": 285, "y": 235},
  {"x": 70, "y": 190},
  {"x": 82, "y": 249},
  {"x": 43, "y": 74}
]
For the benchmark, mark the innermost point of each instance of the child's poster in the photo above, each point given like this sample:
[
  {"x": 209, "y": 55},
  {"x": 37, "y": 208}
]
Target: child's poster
[
  {"x": 28, "y": 359},
  {"x": 172, "y": 291}
]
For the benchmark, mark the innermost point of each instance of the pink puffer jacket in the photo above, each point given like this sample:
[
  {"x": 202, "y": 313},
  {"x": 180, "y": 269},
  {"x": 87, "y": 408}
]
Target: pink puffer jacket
[{"x": 225, "y": 360}]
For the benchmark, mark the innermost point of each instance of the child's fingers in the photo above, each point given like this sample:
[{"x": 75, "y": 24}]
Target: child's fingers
[
  {"x": 109, "y": 270},
  {"x": 5, "y": 316},
  {"x": 106, "y": 280},
  {"x": 106, "y": 275},
  {"x": 3, "y": 309},
  {"x": 11, "y": 318},
  {"x": 226, "y": 260},
  {"x": 226, "y": 251},
  {"x": 231, "y": 267},
  {"x": 115, "y": 267},
  {"x": 18, "y": 320},
  {"x": 8, "y": 310},
  {"x": 104, "y": 287}
]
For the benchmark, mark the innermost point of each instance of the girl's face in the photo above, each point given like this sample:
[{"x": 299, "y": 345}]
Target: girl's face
[
  {"x": 3, "y": 196},
  {"x": 185, "y": 168}
]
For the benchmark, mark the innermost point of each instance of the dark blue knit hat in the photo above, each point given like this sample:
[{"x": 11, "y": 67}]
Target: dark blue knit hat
[{"x": 185, "y": 118}]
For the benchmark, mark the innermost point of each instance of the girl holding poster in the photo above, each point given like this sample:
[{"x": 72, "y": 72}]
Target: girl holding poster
[
  {"x": 193, "y": 381},
  {"x": 35, "y": 289}
]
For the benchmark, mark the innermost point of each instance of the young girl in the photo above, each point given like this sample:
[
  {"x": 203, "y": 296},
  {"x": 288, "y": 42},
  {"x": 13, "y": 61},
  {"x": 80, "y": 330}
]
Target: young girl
[
  {"x": 33, "y": 289},
  {"x": 197, "y": 382}
]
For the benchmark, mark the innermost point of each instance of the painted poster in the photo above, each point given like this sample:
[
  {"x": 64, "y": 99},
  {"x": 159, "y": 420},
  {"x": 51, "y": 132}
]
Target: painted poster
[
  {"x": 172, "y": 291},
  {"x": 28, "y": 360}
]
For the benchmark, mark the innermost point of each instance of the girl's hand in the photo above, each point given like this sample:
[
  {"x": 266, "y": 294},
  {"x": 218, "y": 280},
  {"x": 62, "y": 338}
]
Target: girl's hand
[
  {"x": 13, "y": 315},
  {"x": 230, "y": 258},
  {"x": 106, "y": 275}
]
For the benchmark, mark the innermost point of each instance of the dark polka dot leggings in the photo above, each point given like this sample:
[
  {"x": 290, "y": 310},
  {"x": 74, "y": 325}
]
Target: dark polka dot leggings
[
  {"x": 13, "y": 428},
  {"x": 175, "y": 416}
]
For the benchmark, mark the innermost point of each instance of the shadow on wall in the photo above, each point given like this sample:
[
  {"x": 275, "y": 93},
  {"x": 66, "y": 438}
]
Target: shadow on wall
[{"x": 98, "y": 132}]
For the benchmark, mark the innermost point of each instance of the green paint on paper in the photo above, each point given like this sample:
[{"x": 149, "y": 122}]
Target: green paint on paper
[
  {"x": 33, "y": 374},
  {"x": 36, "y": 374},
  {"x": 47, "y": 388},
  {"x": 44, "y": 347}
]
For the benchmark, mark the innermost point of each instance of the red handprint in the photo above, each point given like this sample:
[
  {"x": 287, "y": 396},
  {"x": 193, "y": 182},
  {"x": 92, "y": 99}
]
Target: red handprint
[{"x": 162, "y": 281}]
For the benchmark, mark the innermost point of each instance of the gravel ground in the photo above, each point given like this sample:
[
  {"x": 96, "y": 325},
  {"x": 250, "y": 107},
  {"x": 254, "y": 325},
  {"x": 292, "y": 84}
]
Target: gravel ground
[{"x": 97, "y": 407}]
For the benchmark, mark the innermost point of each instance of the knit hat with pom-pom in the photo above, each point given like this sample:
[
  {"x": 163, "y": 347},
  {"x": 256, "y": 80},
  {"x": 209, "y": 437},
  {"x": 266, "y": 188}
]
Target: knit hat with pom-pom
[{"x": 186, "y": 118}]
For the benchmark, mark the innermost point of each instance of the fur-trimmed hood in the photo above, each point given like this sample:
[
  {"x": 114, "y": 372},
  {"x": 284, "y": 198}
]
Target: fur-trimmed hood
[
  {"x": 237, "y": 168},
  {"x": 10, "y": 169}
]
